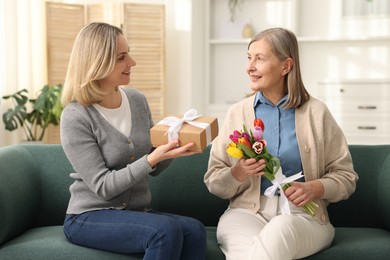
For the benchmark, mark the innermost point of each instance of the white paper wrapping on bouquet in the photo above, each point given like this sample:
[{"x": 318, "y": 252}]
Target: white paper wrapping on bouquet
[
  {"x": 278, "y": 183},
  {"x": 176, "y": 123}
]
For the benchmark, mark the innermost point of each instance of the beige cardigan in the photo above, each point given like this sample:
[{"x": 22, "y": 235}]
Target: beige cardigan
[{"x": 322, "y": 146}]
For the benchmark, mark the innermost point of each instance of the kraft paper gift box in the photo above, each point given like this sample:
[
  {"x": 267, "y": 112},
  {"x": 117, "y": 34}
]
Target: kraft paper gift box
[{"x": 187, "y": 133}]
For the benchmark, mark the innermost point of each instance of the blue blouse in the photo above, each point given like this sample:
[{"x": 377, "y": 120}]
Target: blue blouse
[{"x": 280, "y": 135}]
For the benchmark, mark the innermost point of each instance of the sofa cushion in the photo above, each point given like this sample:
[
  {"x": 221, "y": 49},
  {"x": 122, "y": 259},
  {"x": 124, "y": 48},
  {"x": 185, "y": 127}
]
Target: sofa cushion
[
  {"x": 213, "y": 250},
  {"x": 50, "y": 243},
  {"x": 357, "y": 243}
]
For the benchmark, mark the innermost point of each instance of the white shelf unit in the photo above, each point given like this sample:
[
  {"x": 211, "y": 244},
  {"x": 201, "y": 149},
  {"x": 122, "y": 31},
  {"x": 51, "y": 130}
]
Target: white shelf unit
[
  {"x": 332, "y": 49},
  {"x": 225, "y": 77}
]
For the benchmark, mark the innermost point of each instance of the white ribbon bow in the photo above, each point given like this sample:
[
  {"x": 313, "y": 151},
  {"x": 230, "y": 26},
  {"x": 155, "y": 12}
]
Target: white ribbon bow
[
  {"x": 278, "y": 183},
  {"x": 176, "y": 123}
]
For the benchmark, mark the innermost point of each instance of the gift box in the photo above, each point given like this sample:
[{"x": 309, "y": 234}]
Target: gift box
[{"x": 187, "y": 132}]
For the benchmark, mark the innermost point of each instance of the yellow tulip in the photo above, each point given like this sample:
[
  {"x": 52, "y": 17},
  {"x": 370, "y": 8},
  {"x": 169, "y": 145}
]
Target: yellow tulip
[{"x": 233, "y": 151}]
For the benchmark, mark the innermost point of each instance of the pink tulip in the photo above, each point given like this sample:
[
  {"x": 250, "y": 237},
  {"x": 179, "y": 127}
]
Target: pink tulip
[{"x": 257, "y": 133}]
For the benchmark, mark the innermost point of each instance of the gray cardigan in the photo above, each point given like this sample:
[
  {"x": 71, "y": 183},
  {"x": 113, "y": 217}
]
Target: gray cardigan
[{"x": 111, "y": 169}]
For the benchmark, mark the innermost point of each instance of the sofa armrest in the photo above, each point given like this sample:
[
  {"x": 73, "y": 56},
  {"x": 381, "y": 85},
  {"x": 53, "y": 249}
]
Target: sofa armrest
[{"x": 19, "y": 191}]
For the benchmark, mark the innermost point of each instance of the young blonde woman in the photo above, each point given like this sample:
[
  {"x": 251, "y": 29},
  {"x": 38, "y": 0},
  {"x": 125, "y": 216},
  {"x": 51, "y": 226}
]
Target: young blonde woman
[
  {"x": 105, "y": 135},
  {"x": 302, "y": 133}
]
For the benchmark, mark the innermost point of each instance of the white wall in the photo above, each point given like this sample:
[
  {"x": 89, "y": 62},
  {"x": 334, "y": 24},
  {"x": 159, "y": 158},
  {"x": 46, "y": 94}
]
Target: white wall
[{"x": 185, "y": 47}]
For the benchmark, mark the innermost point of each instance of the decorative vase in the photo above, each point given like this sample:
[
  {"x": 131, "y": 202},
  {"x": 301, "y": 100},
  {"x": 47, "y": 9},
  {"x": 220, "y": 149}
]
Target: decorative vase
[{"x": 247, "y": 31}]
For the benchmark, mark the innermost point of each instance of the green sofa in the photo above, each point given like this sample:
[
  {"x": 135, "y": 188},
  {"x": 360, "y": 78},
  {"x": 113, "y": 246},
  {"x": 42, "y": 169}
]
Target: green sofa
[{"x": 34, "y": 182}]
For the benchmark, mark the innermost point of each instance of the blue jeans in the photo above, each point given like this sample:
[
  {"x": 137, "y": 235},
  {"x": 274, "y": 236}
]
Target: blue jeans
[{"x": 159, "y": 235}]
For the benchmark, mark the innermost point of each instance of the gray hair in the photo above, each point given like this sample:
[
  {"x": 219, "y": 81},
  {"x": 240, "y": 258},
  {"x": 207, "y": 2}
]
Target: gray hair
[{"x": 284, "y": 44}]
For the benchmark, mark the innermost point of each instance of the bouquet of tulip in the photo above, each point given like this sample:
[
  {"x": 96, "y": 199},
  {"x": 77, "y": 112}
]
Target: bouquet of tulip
[{"x": 251, "y": 144}]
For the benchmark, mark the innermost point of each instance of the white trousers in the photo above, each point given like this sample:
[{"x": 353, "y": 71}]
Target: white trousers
[{"x": 268, "y": 235}]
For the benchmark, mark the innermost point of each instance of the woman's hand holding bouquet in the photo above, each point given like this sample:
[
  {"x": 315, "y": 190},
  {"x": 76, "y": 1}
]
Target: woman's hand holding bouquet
[{"x": 251, "y": 144}]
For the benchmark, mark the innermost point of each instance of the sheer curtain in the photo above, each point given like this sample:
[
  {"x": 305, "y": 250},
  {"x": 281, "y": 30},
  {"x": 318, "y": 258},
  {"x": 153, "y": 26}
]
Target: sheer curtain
[
  {"x": 22, "y": 54},
  {"x": 2, "y": 49}
]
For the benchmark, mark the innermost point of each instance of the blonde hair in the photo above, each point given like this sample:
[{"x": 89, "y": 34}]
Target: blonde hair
[
  {"x": 93, "y": 58},
  {"x": 285, "y": 45}
]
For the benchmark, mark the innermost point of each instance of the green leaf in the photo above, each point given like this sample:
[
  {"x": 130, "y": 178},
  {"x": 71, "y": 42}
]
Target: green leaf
[
  {"x": 275, "y": 162},
  {"x": 247, "y": 151},
  {"x": 44, "y": 110},
  {"x": 244, "y": 128}
]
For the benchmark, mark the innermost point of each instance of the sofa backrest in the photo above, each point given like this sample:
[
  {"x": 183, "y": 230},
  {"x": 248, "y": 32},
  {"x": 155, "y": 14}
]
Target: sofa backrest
[
  {"x": 34, "y": 189},
  {"x": 369, "y": 206},
  {"x": 180, "y": 189}
]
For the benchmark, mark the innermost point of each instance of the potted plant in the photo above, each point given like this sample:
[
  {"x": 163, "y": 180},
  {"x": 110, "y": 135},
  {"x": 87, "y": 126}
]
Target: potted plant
[
  {"x": 34, "y": 115},
  {"x": 233, "y": 5}
]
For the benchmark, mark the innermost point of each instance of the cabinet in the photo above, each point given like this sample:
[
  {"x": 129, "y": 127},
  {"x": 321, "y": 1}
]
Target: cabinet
[
  {"x": 362, "y": 108},
  {"x": 336, "y": 52}
]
